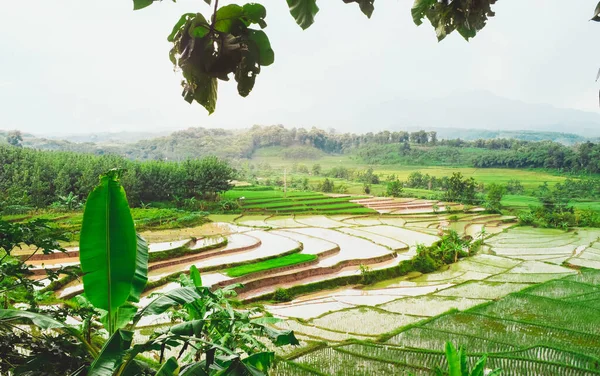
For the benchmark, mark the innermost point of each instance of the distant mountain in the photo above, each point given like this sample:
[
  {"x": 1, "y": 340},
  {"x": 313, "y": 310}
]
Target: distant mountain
[
  {"x": 106, "y": 137},
  {"x": 476, "y": 134},
  {"x": 481, "y": 110}
]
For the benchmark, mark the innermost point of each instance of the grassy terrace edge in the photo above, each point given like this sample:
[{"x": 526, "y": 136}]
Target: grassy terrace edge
[{"x": 293, "y": 259}]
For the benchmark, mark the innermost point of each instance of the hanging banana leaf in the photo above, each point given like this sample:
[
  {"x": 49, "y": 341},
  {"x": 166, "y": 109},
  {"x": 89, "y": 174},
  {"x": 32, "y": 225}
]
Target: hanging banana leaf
[{"x": 108, "y": 246}]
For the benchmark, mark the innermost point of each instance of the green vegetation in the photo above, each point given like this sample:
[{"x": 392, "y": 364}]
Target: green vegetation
[
  {"x": 282, "y": 295},
  {"x": 296, "y": 202},
  {"x": 36, "y": 179},
  {"x": 114, "y": 260},
  {"x": 556, "y": 334},
  {"x": 290, "y": 260}
]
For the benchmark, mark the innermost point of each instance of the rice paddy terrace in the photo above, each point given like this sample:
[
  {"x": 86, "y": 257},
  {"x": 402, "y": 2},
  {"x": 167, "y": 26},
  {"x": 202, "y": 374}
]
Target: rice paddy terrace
[
  {"x": 530, "y": 298},
  {"x": 277, "y": 202}
]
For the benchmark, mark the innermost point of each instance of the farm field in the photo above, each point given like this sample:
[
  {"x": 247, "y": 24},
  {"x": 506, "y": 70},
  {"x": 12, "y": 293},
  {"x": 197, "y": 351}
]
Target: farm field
[
  {"x": 403, "y": 322},
  {"x": 530, "y": 179},
  {"x": 533, "y": 317}
]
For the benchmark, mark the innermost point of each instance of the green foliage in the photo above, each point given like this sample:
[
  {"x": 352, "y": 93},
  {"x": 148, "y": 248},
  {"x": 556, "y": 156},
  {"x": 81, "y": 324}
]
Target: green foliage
[
  {"x": 14, "y": 138},
  {"x": 226, "y": 341},
  {"x": 423, "y": 261},
  {"x": 316, "y": 169},
  {"x": 303, "y": 11},
  {"x": 394, "y": 189},
  {"x": 461, "y": 189},
  {"x": 458, "y": 365},
  {"x": 327, "y": 186},
  {"x": 15, "y": 284},
  {"x": 207, "y": 51},
  {"x": 465, "y": 16},
  {"x": 366, "y": 274},
  {"x": 34, "y": 178},
  {"x": 282, "y": 295},
  {"x": 494, "y": 194},
  {"x": 514, "y": 187},
  {"x": 448, "y": 250},
  {"x": 279, "y": 262},
  {"x": 108, "y": 246}
]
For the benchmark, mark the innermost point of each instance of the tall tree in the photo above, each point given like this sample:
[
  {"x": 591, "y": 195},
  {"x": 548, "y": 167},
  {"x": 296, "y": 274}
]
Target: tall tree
[{"x": 15, "y": 138}]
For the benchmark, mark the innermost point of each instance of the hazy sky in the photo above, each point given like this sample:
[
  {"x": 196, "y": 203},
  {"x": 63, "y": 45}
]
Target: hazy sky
[{"x": 72, "y": 66}]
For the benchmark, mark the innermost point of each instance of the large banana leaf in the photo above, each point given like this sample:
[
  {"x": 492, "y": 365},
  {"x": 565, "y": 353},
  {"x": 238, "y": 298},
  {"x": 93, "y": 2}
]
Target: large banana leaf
[
  {"x": 454, "y": 362},
  {"x": 140, "y": 278},
  {"x": 178, "y": 296},
  {"x": 169, "y": 368},
  {"x": 37, "y": 319},
  {"x": 111, "y": 356},
  {"x": 108, "y": 245}
]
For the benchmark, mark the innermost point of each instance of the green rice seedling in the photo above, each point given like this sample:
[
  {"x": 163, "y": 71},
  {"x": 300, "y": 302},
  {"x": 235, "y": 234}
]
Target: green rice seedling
[
  {"x": 469, "y": 265},
  {"x": 586, "y": 275},
  {"x": 518, "y": 333},
  {"x": 591, "y": 301},
  {"x": 318, "y": 333},
  {"x": 429, "y": 305},
  {"x": 332, "y": 362},
  {"x": 544, "y": 311},
  {"x": 482, "y": 289},
  {"x": 291, "y": 369},
  {"x": 500, "y": 262},
  {"x": 524, "y": 277},
  {"x": 560, "y": 289},
  {"x": 392, "y": 354},
  {"x": 534, "y": 367},
  {"x": 363, "y": 320},
  {"x": 540, "y": 267},
  {"x": 550, "y": 250},
  {"x": 549, "y": 354},
  {"x": 280, "y": 262},
  {"x": 426, "y": 338}
]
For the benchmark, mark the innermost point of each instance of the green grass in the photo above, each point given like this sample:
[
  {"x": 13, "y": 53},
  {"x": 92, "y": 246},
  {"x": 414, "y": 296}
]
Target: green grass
[
  {"x": 530, "y": 178},
  {"x": 523, "y": 202},
  {"x": 236, "y": 194},
  {"x": 289, "y": 260},
  {"x": 325, "y": 200}
]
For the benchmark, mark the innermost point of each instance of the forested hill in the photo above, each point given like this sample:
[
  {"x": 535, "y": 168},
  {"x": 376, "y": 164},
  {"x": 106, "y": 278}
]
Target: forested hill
[{"x": 521, "y": 150}]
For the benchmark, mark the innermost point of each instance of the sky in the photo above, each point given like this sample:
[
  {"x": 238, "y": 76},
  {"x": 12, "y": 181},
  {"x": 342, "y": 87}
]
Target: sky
[{"x": 73, "y": 66}]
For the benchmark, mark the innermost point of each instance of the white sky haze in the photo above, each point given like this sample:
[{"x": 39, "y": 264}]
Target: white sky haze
[{"x": 73, "y": 66}]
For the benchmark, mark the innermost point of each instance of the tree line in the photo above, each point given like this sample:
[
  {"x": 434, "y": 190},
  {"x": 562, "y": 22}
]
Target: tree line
[
  {"x": 38, "y": 178},
  {"x": 385, "y": 147}
]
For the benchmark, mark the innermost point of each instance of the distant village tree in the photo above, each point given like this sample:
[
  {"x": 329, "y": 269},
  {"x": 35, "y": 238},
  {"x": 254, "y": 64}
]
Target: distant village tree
[{"x": 15, "y": 138}]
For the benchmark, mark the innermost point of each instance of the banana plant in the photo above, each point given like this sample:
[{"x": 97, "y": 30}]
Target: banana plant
[
  {"x": 114, "y": 260},
  {"x": 458, "y": 365}
]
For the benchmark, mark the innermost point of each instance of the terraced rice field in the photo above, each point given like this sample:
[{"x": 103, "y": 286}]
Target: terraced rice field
[
  {"x": 531, "y": 298},
  {"x": 533, "y": 316},
  {"x": 277, "y": 202}
]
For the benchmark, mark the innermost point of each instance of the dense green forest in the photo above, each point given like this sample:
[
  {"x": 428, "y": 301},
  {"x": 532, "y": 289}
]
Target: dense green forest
[
  {"x": 385, "y": 147},
  {"x": 35, "y": 178}
]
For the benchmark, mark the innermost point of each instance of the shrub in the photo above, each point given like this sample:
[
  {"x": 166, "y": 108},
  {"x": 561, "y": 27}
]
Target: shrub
[
  {"x": 587, "y": 218},
  {"x": 394, "y": 188},
  {"x": 282, "y": 295},
  {"x": 366, "y": 274}
]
